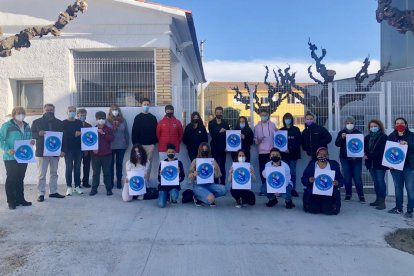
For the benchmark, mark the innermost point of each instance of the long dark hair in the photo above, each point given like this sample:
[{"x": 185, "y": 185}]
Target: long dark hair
[
  {"x": 236, "y": 155},
  {"x": 238, "y": 122},
  {"x": 199, "y": 121},
  {"x": 133, "y": 157},
  {"x": 379, "y": 123},
  {"x": 200, "y": 149}
]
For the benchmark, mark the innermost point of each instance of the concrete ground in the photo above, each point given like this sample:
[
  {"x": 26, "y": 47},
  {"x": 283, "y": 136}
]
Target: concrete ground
[{"x": 102, "y": 235}]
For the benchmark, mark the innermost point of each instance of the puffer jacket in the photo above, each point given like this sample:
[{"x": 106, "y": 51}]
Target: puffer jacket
[{"x": 169, "y": 131}]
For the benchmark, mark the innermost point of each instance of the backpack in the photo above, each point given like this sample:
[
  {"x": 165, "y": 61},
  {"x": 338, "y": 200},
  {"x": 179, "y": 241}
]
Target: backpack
[
  {"x": 152, "y": 193},
  {"x": 187, "y": 196}
]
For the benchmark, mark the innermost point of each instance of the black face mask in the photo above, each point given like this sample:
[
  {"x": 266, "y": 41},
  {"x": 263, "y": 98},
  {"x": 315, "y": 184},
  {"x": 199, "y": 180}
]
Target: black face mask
[
  {"x": 170, "y": 114},
  {"x": 275, "y": 159},
  {"x": 204, "y": 153},
  {"x": 171, "y": 156},
  {"x": 194, "y": 121},
  {"x": 49, "y": 115},
  {"x": 219, "y": 117}
]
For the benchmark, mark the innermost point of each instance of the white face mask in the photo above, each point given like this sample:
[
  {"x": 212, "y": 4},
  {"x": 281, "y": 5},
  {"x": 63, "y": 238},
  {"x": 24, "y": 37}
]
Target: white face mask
[
  {"x": 115, "y": 112},
  {"x": 350, "y": 126},
  {"x": 20, "y": 117},
  {"x": 242, "y": 158},
  {"x": 101, "y": 121}
]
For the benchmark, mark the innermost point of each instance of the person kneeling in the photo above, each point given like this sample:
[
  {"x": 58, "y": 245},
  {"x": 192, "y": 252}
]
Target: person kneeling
[
  {"x": 206, "y": 193},
  {"x": 315, "y": 204},
  {"x": 171, "y": 191}
]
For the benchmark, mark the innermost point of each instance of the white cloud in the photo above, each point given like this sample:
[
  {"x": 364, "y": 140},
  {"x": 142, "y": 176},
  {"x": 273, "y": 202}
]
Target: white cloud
[{"x": 254, "y": 71}]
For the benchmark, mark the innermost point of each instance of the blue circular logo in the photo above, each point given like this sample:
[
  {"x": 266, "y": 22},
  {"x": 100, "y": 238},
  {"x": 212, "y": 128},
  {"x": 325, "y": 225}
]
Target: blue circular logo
[
  {"x": 136, "y": 183},
  {"x": 89, "y": 138},
  {"x": 24, "y": 153},
  {"x": 280, "y": 141},
  {"x": 169, "y": 173},
  {"x": 233, "y": 140},
  {"x": 241, "y": 176},
  {"x": 355, "y": 145},
  {"x": 276, "y": 180},
  {"x": 324, "y": 182},
  {"x": 53, "y": 143},
  {"x": 205, "y": 170},
  {"x": 394, "y": 155}
]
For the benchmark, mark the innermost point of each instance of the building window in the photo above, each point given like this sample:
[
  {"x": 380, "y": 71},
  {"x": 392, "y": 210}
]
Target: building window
[
  {"x": 105, "y": 78},
  {"x": 264, "y": 100},
  {"x": 29, "y": 94}
]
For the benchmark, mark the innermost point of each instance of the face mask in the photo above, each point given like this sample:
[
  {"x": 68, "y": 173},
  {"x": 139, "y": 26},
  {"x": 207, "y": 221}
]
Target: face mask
[
  {"x": 101, "y": 121},
  {"x": 171, "y": 156},
  {"x": 20, "y": 117},
  {"x": 242, "y": 125},
  {"x": 170, "y": 114},
  {"x": 400, "y": 128},
  {"x": 350, "y": 126},
  {"x": 146, "y": 108},
  {"x": 374, "y": 129},
  {"x": 115, "y": 112},
  {"x": 322, "y": 158},
  {"x": 49, "y": 115},
  {"x": 204, "y": 153},
  {"x": 264, "y": 118},
  {"x": 82, "y": 118},
  {"x": 71, "y": 114},
  {"x": 242, "y": 158},
  {"x": 219, "y": 117},
  {"x": 288, "y": 121},
  {"x": 194, "y": 121},
  {"x": 309, "y": 122},
  {"x": 275, "y": 159}
]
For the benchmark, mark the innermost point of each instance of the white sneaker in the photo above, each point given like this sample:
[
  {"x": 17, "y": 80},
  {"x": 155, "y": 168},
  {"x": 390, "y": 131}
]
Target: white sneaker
[
  {"x": 69, "y": 191},
  {"x": 140, "y": 197},
  {"x": 78, "y": 190}
]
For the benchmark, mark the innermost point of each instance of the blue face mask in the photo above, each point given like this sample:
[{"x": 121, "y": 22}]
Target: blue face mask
[
  {"x": 72, "y": 114},
  {"x": 374, "y": 129},
  {"x": 265, "y": 118},
  {"x": 82, "y": 118},
  {"x": 242, "y": 125},
  {"x": 288, "y": 121},
  {"x": 146, "y": 108}
]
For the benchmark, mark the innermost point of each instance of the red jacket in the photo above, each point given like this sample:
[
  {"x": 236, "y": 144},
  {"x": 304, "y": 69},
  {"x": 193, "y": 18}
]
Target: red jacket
[
  {"x": 104, "y": 142},
  {"x": 169, "y": 131}
]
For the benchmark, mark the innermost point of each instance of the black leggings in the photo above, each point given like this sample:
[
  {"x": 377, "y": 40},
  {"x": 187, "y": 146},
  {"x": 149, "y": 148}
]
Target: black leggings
[{"x": 246, "y": 196}]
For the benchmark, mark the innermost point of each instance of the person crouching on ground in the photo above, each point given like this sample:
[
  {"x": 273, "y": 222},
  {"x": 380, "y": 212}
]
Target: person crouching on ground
[{"x": 138, "y": 160}]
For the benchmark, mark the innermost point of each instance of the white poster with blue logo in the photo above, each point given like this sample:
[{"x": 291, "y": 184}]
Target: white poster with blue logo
[
  {"x": 205, "y": 170},
  {"x": 170, "y": 173},
  {"x": 89, "y": 138},
  {"x": 24, "y": 152},
  {"x": 275, "y": 180},
  {"x": 354, "y": 145},
  {"x": 233, "y": 140},
  {"x": 242, "y": 179},
  {"x": 394, "y": 155},
  {"x": 280, "y": 140},
  {"x": 136, "y": 182},
  {"x": 53, "y": 143},
  {"x": 323, "y": 184}
]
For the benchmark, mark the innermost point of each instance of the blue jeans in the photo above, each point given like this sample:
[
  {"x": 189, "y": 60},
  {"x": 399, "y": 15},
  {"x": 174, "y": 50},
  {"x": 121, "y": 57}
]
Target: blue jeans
[
  {"x": 287, "y": 195},
  {"x": 400, "y": 178},
  {"x": 73, "y": 165},
  {"x": 117, "y": 160},
  {"x": 352, "y": 169},
  {"x": 204, "y": 191},
  {"x": 378, "y": 177},
  {"x": 162, "y": 197},
  {"x": 292, "y": 166}
]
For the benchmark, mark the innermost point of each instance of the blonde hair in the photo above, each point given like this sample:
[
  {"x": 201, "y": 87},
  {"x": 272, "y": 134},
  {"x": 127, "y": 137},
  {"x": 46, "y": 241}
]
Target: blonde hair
[
  {"x": 18, "y": 110},
  {"x": 111, "y": 117}
]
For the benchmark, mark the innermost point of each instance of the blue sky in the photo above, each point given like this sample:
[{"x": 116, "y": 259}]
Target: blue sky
[{"x": 248, "y": 32}]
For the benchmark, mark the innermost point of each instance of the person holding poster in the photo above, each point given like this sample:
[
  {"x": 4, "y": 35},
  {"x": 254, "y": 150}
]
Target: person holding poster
[
  {"x": 374, "y": 145},
  {"x": 48, "y": 122},
  {"x": 292, "y": 155},
  {"x": 263, "y": 137},
  {"x": 276, "y": 161},
  {"x": 102, "y": 158},
  {"x": 246, "y": 137},
  {"x": 315, "y": 204},
  {"x": 351, "y": 166},
  {"x": 404, "y": 136},
  {"x": 138, "y": 160},
  {"x": 86, "y": 155},
  {"x": 242, "y": 197},
  {"x": 73, "y": 154},
  {"x": 172, "y": 191},
  {"x": 206, "y": 193},
  {"x": 15, "y": 129}
]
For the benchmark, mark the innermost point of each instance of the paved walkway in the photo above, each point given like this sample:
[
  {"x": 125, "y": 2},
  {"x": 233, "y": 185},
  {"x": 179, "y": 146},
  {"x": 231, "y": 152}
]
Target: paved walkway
[{"x": 102, "y": 235}]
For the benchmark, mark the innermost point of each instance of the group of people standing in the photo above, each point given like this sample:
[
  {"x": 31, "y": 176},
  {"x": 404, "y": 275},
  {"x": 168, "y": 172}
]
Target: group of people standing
[{"x": 114, "y": 139}]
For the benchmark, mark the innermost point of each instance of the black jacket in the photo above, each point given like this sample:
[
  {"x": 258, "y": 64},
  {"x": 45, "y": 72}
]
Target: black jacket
[
  {"x": 193, "y": 137},
  {"x": 72, "y": 143},
  {"x": 218, "y": 140},
  {"x": 46, "y": 125},
  {"x": 374, "y": 160},
  {"x": 408, "y": 136},
  {"x": 144, "y": 129},
  {"x": 247, "y": 142},
  {"x": 341, "y": 142},
  {"x": 310, "y": 172},
  {"x": 294, "y": 141},
  {"x": 314, "y": 137},
  {"x": 181, "y": 177}
]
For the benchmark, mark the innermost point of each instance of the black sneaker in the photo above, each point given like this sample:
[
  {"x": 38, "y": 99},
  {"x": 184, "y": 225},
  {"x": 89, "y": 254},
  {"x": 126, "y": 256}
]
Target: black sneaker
[
  {"x": 109, "y": 193},
  {"x": 56, "y": 195},
  {"x": 289, "y": 204},
  {"x": 262, "y": 194},
  {"x": 272, "y": 202},
  {"x": 409, "y": 214},
  {"x": 93, "y": 192},
  {"x": 25, "y": 203},
  {"x": 12, "y": 206},
  {"x": 173, "y": 202},
  {"x": 395, "y": 210},
  {"x": 294, "y": 193},
  {"x": 239, "y": 203},
  {"x": 362, "y": 199},
  {"x": 347, "y": 197},
  {"x": 213, "y": 204},
  {"x": 197, "y": 202},
  {"x": 86, "y": 185},
  {"x": 41, "y": 198}
]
